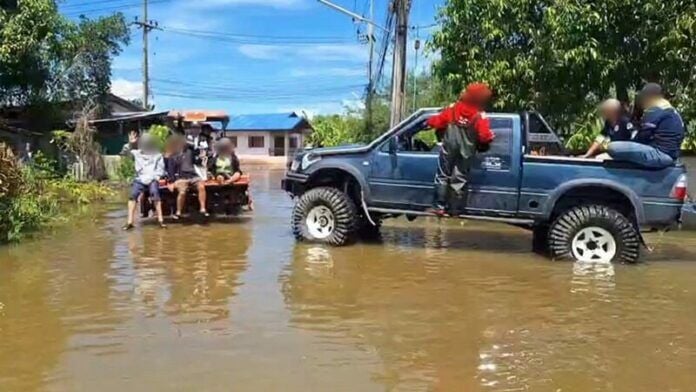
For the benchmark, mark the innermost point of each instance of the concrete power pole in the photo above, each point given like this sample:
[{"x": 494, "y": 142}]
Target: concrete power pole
[
  {"x": 401, "y": 10},
  {"x": 370, "y": 68},
  {"x": 147, "y": 26}
]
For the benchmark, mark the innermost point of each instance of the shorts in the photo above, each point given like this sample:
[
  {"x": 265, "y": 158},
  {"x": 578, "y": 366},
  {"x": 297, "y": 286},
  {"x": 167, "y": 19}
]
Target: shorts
[
  {"x": 139, "y": 188},
  {"x": 182, "y": 185}
]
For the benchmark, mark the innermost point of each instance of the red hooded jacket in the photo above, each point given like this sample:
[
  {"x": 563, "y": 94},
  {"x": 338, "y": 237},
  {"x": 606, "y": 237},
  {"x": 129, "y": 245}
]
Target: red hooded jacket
[{"x": 463, "y": 111}]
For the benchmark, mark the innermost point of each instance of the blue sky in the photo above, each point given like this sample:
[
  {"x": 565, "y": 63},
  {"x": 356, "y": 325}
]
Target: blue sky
[{"x": 251, "y": 56}]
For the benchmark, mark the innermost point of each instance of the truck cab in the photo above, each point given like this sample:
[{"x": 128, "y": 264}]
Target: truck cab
[{"x": 523, "y": 179}]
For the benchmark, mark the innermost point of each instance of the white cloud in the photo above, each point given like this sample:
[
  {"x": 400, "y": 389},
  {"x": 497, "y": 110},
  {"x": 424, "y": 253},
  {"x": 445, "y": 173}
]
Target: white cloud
[
  {"x": 127, "y": 89},
  {"x": 333, "y": 107},
  {"x": 261, "y": 52},
  {"x": 316, "y": 52}
]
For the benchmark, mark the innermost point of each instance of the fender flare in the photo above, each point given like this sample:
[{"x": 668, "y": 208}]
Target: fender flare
[
  {"x": 558, "y": 193},
  {"x": 350, "y": 169}
]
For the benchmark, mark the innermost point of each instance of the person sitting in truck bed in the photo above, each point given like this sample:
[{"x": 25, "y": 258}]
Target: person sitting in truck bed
[
  {"x": 225, "y": 165},
  {"x": 658, "y": 141},
  {"x": 617, "y": 127}
]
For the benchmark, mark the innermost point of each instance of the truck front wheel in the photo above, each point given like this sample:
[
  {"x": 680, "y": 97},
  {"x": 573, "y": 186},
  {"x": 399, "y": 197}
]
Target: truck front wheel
[
  {"x": 324, "y": 215},
  {"x": 594, "y": 233}
]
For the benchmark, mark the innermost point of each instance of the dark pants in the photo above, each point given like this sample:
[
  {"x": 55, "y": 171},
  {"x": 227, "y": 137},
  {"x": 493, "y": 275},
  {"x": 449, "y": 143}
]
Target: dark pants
[
  {"x": 139, "y": 188},
  {"x": 454, "y": 164}
]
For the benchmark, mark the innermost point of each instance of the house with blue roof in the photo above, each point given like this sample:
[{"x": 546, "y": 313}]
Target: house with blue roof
[{"x": 272, "y": 134}]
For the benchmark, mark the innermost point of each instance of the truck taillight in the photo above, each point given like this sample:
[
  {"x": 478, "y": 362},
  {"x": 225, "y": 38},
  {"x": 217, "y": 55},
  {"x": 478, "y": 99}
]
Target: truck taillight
[{"x": 679, "y": 188}]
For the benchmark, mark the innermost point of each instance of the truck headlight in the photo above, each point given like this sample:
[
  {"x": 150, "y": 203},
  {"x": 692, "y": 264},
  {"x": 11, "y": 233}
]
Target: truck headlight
[
  {"x": 310, "y": 159},
  {"x": 295, "y": 165}
]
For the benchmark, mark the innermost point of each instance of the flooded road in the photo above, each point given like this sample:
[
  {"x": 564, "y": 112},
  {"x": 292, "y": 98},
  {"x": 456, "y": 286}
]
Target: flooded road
[{"x": 238, "y": 305}]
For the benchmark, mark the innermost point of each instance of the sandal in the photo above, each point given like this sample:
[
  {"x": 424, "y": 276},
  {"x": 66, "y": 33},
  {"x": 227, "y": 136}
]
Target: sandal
[
  {"x": 176, "y": 217},
  {"x": 205, "y": 214},
  {"x": 127, "y": 227},
  {"x": 162, "y": 225}
]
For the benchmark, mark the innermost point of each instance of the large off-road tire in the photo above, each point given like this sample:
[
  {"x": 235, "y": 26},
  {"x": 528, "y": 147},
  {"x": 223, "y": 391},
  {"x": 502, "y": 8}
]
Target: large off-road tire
[
  {"x": 594, "y": 233},
  {"x": 325, "y": 215}
]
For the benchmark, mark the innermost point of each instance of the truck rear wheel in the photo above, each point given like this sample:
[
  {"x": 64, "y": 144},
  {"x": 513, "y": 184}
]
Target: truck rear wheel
[
  {"x": 594, "y": 233},
  {"x": 324, "y": 215}
]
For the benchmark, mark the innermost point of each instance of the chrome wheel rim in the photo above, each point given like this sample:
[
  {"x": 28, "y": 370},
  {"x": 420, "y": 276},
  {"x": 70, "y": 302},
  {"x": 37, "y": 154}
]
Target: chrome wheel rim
[
  {"x": 594, "y": 245},
  {"x": 321, "y": 222}
]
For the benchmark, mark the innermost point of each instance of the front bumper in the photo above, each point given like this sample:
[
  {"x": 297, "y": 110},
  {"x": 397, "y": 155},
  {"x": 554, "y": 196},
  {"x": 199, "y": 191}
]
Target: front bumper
[{"x": 294, "y": 183}]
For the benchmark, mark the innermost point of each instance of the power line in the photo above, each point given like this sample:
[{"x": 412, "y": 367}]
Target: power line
[
  {"x": 236, "y": 38},
  {"x": 260, "y": 95},
  {"x": 114, "y": 8},
  {"x": 272, "y": 89}
]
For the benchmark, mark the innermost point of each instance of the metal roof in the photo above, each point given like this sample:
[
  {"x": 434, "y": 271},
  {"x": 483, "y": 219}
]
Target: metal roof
[
  {"x": 130, "y": 116},
  {"x": 266, "y": 122}
]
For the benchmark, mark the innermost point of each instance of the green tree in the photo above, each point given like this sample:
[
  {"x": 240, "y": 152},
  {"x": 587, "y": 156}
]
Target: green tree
[
  {"x": 334, "y": 130},
  {"x": 561, "y": 57},
  {"x": 44, "y": 57}
]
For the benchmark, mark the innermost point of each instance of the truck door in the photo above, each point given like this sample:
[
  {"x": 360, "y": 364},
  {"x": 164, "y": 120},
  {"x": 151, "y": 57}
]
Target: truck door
[
  {"x": 402, "y": 176},
  {"x": 494, "y": 188}
]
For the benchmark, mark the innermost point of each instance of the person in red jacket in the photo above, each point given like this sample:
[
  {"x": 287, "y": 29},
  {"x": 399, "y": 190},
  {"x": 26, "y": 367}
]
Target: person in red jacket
[{"x": 464, "y": 130}]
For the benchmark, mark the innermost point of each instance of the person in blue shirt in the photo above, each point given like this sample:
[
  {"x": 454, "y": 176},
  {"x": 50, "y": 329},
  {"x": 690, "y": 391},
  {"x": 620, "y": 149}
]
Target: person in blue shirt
[
  {"x": 657, "y": 142},
  {"x": 617, "y": 127}
]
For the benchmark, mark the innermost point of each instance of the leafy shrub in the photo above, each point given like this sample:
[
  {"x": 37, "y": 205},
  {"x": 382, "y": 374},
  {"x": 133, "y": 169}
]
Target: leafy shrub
[
  {"x": 690, "y": 139},
  {"x": 31, "y": 197},
  {"x": 584, "y": 133},
  {"x": 26, "y": 208},
  {"x": 10, "y": 173},
  {"x": 161, "y": 133},
  {"x": 126, "y": 169}
]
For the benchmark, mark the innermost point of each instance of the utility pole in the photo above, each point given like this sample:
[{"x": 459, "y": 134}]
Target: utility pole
[
  {"x": 401, "y": 10},
  {"x": 147, "y": 25},
  {"x": 370, "y": 69}
]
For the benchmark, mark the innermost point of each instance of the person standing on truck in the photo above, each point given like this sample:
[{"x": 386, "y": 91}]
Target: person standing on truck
[
  {"x": 658, "y": 141},
  {"x": 463, "y": 129},
  {"x": 617, "y": 127}
]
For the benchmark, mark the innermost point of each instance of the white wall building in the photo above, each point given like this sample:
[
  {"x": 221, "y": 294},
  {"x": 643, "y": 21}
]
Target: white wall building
[{"x": 273, "y": 134}]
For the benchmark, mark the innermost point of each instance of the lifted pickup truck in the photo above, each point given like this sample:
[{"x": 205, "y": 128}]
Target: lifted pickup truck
[{"x": 582, "y": 209}]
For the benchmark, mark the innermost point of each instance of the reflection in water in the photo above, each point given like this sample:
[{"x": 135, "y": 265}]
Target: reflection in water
[
  {"x": 190, "y": 276},
  {"x": 435, "y": 306},
  {"x": 593, "y": 277},
  {"x": 480, "y": 320}
]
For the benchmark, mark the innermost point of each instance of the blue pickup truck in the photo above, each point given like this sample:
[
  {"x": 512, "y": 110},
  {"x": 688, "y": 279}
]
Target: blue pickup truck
[{"x": 582, "y": 209}]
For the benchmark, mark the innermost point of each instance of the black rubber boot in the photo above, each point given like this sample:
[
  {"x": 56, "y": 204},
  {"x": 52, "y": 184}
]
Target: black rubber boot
[{"x": 440, "y": 200}]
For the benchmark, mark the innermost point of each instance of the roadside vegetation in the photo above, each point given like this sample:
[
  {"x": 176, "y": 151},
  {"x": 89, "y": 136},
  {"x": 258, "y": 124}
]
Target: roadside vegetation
[
  {"x": 559, "y": 58},
  {"x": 53, "y": 65},
  {"x": 35, "y": 195}
]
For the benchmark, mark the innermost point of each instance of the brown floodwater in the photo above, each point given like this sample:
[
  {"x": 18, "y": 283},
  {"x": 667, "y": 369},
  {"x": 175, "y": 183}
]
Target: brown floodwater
[{"x": 238, "y": 305}]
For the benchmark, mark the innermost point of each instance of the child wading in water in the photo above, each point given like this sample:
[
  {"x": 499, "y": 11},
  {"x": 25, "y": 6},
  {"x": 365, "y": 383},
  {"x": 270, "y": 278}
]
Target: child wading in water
[
  {"x": 225, "y": 165},
  {"x": 149, "y": 168}
]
